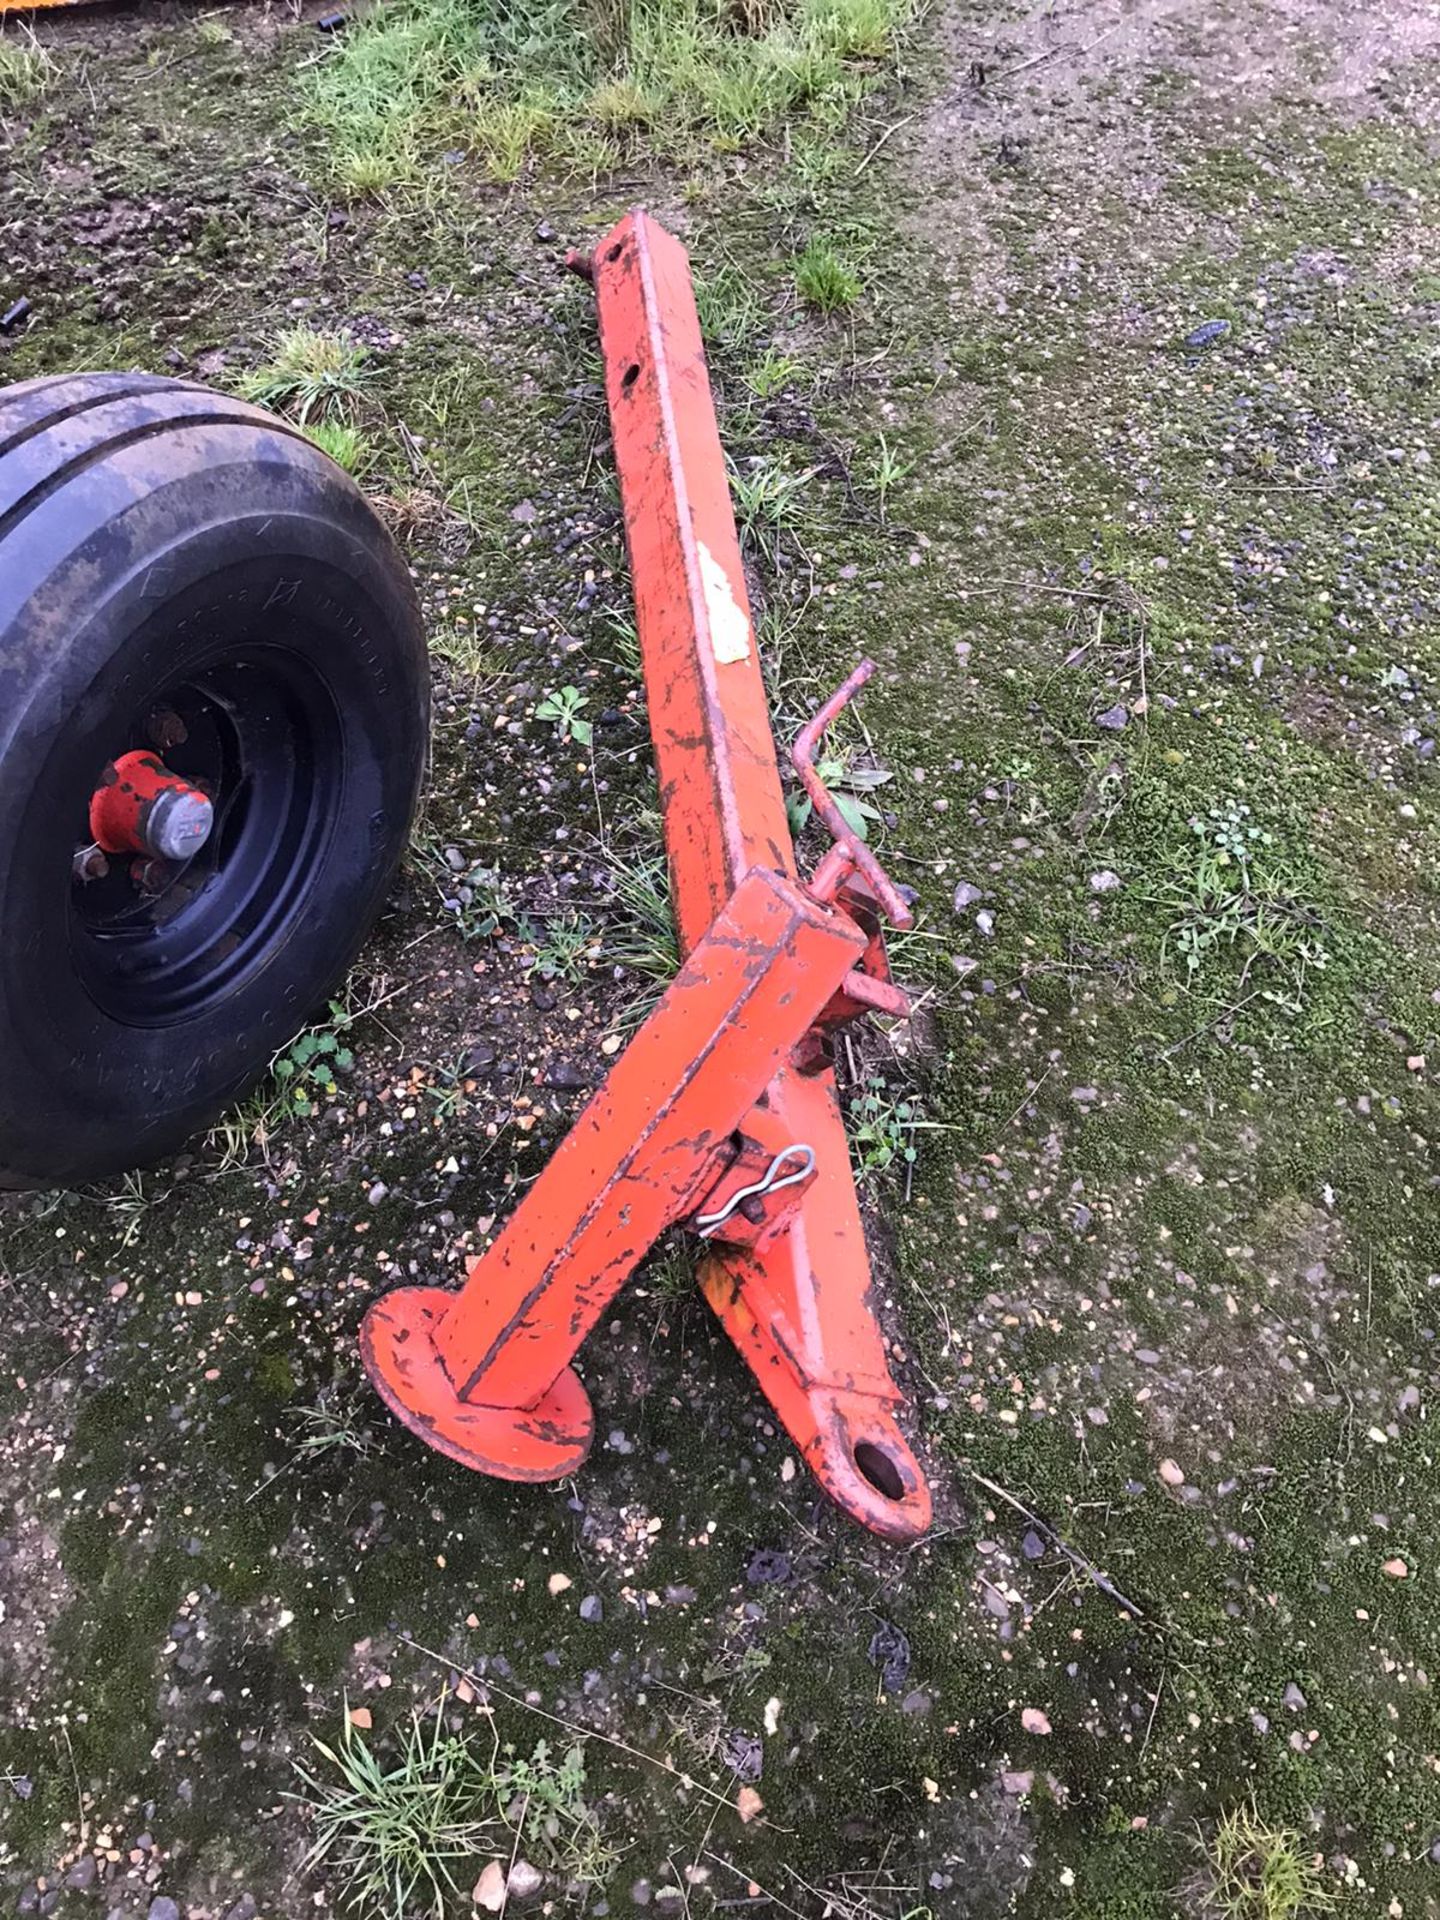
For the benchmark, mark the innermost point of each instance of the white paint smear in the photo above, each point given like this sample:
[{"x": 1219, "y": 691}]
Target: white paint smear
[{"x": 729, "y": 622}]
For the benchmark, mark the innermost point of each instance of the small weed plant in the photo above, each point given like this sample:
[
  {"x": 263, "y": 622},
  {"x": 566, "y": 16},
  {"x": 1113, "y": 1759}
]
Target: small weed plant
[
  {"x": 563, "y": 708},
  {"x": 884, "y": 473},
  {"x": 883, "y": 1125},
  {"x": 478, "y": 896},
  {"x": 547, "y": 1805},
  {"x": 1232, "y": 895},
  {"x": 304, "y": 1076},
  {"x": 310, "y": 1068},
  {"x": 851, "y": 786}
]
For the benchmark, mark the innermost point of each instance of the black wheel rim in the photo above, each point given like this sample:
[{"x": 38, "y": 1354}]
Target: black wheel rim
[{"x": 259, "y": 733}]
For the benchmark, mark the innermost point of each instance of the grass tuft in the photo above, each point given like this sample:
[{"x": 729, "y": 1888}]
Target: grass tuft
[
  {"x": 26, "y": 69},
  {"x": 367, "y": 172},
  {"x": 730, "y": 310},
  {"x": 643, "y": 938},
  {"x": 823, "y": 280},
  {"x": 394, "y": 1832},
  {"x": 311, "y": 374},
  {"x": 346, "y": 445},
  {"x": 767, "y": 501},
  {"x": 506, "y": 132},
  {"x": 562, "y": 947},
  {"x": 1253, "y": 1871}
]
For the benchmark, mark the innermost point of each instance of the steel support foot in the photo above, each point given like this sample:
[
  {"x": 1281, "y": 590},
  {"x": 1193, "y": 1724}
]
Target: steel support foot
[{"x": 542, "y": 1442}]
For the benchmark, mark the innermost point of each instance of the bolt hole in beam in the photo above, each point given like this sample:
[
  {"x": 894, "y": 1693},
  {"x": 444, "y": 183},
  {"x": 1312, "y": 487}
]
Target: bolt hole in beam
[
  {"x": 614, "y": 254},
  {"x": 632, "y": 374},
  {"x": 880, "y": 1470}
]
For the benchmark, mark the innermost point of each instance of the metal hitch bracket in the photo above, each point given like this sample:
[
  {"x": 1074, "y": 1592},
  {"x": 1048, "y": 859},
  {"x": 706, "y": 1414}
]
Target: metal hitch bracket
[{"x": 723, "y": 1111}]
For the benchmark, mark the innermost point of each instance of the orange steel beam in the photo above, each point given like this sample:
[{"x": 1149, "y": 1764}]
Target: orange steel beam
[
  {"x": 798, "y": 1309},
  {"x": 723, "y": 1111}
]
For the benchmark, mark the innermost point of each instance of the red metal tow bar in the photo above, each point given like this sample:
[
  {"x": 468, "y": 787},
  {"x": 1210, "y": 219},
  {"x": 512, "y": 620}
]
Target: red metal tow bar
[{"x": 723, "y": 1112}]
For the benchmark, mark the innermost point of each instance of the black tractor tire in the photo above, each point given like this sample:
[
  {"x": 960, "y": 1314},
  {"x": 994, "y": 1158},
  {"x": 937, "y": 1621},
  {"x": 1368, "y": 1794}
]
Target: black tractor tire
[{"x": 185, "y": 574}]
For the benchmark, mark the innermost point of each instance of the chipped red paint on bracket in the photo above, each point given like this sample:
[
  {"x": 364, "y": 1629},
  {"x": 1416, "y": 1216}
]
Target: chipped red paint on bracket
[{"x": 734, "y": 1057}]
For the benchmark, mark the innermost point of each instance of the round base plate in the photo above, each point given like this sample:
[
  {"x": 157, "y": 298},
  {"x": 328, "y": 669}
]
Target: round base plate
[{"x": 543, "y": 1442}]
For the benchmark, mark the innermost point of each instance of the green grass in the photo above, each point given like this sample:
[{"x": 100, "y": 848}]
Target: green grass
[
  {"x": 583, "y": 83},
  {"x": 409, "y": 1831},
  {"x": 767, "y": 501},
  {"x": 731, "y": 311},
  {"x": 312, "y": 374},
  {"x": 26, "y": 69},
  {"x": 823, "y": 279},
  {"x": 642, "y": 937},
  {"x": 347, "y": 446},
  {"x": 1251, "y": 1870}
]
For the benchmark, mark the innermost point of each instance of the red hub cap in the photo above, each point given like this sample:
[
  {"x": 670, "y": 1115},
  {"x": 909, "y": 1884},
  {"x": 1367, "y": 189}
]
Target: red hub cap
[{"x": 141, "y": 807}]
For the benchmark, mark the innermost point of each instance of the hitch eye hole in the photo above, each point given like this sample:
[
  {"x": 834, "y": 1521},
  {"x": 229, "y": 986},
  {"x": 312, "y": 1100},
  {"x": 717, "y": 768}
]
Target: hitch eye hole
[
  {"x": 632, "y": 374},
  {"x": 615, "y": 252},
  {"x": 880, "y": 1470}
]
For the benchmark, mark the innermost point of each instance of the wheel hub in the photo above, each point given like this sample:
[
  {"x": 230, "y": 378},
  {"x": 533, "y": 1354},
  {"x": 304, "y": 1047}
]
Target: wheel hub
[
  {"x": 202, "y": 834},
  {"x": 141, "y": 807}
]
